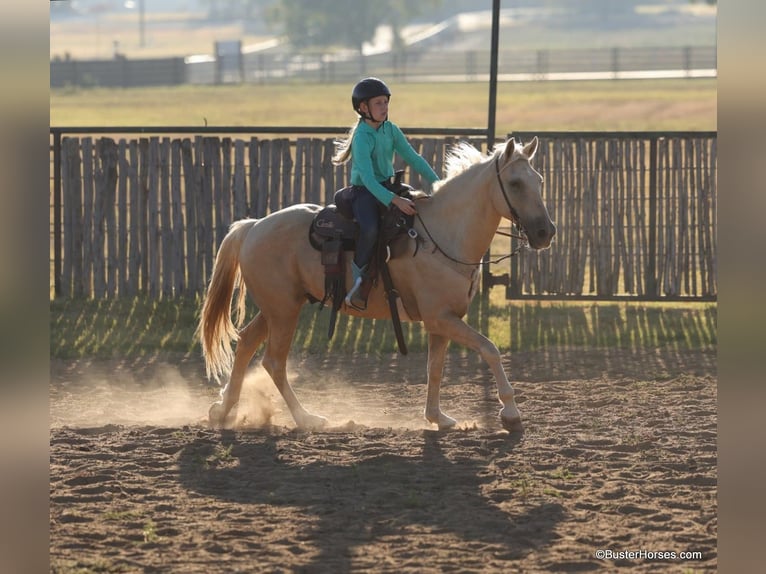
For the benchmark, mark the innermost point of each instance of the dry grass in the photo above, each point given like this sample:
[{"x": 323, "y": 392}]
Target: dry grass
[{"x": 643, "y": 105}]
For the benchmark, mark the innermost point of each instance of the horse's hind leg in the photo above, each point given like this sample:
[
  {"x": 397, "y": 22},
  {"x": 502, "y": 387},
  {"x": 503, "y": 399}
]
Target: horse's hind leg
[
  {"x": 250, "y": 338},
  {"x": 437, "y": 349},
  {"x": 282, "y": 328}
]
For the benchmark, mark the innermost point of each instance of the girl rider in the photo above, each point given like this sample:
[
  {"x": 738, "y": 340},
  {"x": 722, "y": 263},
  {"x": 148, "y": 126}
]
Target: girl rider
[{"x": 370, "y": 145}]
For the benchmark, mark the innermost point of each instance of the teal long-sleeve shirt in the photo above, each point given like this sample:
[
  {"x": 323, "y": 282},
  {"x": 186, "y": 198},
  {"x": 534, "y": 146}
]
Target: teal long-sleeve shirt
[{"x": 372, "y": 158}]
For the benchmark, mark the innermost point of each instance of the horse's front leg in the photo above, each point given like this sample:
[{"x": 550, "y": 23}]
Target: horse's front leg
[
  {"x": 457, "y": 330},
  {"x": 437, "y": 349}
]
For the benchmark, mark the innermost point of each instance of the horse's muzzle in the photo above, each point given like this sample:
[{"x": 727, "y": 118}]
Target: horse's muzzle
[{"x": 540, "y": 234}]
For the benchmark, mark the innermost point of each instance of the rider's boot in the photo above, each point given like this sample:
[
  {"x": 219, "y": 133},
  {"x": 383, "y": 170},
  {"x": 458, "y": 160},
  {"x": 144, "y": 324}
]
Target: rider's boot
[{"x": 355, "y": 297}]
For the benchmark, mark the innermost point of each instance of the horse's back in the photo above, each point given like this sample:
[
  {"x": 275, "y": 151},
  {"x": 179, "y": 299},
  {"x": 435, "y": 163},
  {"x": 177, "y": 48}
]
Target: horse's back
[
  {"x": 284, "y": 224},
  {"x": 277, "y": 254}
]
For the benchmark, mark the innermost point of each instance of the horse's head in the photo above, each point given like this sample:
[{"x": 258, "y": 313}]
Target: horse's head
[{"x": 520, "y": 198}]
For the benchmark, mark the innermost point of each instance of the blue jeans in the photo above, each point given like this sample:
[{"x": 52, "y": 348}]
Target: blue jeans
[{"x": 366, "y": 209}]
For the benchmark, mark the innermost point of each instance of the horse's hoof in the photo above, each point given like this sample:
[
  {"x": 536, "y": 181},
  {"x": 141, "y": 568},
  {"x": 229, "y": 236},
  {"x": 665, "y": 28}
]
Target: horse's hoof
[
  {"x": 512, "y": 425},
  {"x": 216, "y": 415},
  {"x": 443, "y": 421},
  {"x": 312, "y": 422},
  {"x": 446, "y": 423}
]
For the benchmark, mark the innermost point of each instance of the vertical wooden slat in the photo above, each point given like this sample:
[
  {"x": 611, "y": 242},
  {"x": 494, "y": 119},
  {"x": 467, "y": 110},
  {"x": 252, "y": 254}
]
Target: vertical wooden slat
[
  {"x": 239, "y": 188},
  {"x": 275, "y": 203},
  {"x": 123, "y": 254},
  {"x": 262, "y": 200},
  {"x": 316, "y": 168},
  {"x": 622, "y": 266},
  {"x": 631, "y": 216},
  {"x": 153, "y": 218},
  {"x": 671, "y": 275},
  {"x": 308, "y": 170},
  {"x": 219, "y": 199},
  {"x": 110, "y": 159},
  {"x": 99, "y": 215},
  {"x": 176, "y": 198},
  {"x": 663, "y": 183},
  {"x": 86, "y": 278},
  {"x": 328, "y": 176},
  {"x": 412, "y": 176},
  {"x": 709, "y": 212},
  {"x": 692, "y": 160},
  {"x": 226, "y": 181},
  {"x": 57, "y": 214},
  {"x": 144, "y": 167},
  {"x": 254, "y": 177},
  {"x": 652, "y": 283},
  {"x": 288, "y": 197},
  {"x": 191, "y": 193},
  {"x": 579, "y": 221},
  {"x": 638, "y": 207},
  {"x": 604, "y": 221},
  {"x": 592, "y": 216},
  {"x": 71, "y": 267},
  {"x": 166, "y": 214},
  {"x": 300, "y": 166},
  {"x": 135, "y": 202},
  {"x": 429, "y": 154},
  {"x": 207, "y": 243}
]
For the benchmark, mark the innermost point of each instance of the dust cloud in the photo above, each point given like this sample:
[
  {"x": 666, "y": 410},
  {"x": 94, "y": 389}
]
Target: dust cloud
[
  {"x": 95, "y": 395},
  {"x": 112, "y": 393}
]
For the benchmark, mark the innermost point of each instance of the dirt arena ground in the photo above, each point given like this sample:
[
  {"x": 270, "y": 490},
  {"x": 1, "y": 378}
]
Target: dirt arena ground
[{"x": 618, "y": 455}]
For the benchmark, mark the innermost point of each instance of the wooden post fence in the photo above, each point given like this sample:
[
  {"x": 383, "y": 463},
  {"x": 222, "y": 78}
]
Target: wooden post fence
[{"x": 636, "y": 212}]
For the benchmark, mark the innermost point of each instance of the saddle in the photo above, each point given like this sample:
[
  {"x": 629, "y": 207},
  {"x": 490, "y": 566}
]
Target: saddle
[{"x": 334, "y": 231}]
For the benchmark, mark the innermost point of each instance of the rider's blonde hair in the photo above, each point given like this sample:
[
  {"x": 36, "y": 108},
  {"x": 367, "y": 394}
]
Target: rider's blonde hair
[{"x": 343, "y": 147}]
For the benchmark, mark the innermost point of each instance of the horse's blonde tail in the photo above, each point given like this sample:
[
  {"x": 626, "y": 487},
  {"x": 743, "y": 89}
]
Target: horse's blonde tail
[{"x": 215, "y": 330}]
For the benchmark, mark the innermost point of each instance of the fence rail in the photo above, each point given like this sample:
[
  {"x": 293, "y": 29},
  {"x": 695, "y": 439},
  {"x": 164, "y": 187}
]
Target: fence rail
[
  {"x": 635, "y": 212},
  {"x": 414, "y": 64}
]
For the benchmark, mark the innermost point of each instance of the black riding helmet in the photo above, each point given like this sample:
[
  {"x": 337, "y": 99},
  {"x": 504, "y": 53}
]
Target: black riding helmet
[{"x": 366, "y": 89}]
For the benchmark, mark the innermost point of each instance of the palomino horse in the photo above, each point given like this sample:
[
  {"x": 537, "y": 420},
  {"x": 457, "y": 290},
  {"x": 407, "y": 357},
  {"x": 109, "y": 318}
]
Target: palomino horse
[{"x": 271, "y": 259}]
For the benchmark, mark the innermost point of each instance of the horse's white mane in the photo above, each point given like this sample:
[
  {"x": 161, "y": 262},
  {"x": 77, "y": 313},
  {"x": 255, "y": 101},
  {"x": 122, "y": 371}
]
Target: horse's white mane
[{"x": 463, "y": 155}]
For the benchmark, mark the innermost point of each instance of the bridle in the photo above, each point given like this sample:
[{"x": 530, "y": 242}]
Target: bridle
[
  {"x": 522, "y": 235},
  {"x": 516, "y": 221}
]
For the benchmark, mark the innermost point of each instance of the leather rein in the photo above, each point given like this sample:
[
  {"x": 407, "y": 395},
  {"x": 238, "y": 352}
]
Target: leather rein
[{"x": 515, "y": 221}]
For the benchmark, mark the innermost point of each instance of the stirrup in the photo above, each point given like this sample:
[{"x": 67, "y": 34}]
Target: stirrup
[{"x": 354, "y": 297}]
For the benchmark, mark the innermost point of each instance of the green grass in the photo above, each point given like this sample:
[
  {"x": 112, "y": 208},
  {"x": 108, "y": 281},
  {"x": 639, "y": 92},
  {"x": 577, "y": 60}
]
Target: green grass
[
  {"x": 645, "y": 105},
  {"x": 144, "y": 328}
]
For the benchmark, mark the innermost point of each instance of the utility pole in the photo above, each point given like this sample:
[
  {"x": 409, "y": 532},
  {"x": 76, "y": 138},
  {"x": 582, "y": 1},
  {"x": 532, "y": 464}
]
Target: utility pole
[
  {"x": 493, "y": 74},
  {"x": 487, "y": 279},
  {"x": 141, "y": 34}
]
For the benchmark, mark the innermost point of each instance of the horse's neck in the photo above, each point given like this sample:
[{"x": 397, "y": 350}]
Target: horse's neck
[{"x": 464, "y": 217}]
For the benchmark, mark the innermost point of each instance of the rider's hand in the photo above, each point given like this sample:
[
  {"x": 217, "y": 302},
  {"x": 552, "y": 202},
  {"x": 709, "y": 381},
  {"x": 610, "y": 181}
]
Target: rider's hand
[{"x": 406, "y": 206}]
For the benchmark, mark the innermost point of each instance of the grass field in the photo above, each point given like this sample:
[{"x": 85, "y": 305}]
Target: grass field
[{"x": 642, "y": 105}]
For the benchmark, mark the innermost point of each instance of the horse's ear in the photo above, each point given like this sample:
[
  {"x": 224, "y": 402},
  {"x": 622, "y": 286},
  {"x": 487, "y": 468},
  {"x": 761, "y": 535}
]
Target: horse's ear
[
  {"x": 531, "y": 148},
  {"x": 510, "y": 147}
]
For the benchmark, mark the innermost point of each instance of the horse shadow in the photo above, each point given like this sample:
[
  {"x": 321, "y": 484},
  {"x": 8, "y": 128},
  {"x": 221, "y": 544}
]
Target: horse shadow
[{"x": 383, "y": 495}]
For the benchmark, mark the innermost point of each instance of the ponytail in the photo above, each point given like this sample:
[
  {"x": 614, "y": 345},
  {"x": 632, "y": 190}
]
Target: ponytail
[{"x": 343, "y": 147}]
